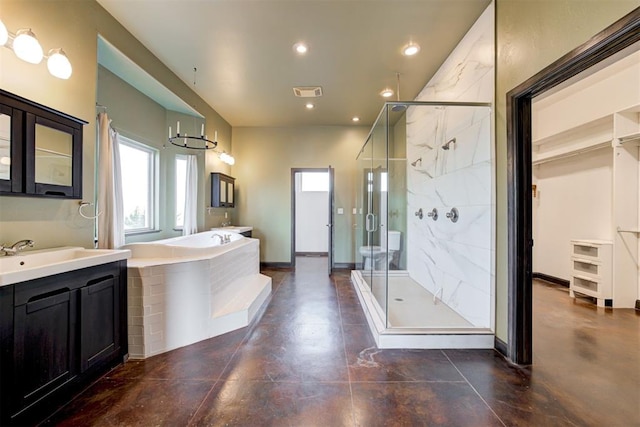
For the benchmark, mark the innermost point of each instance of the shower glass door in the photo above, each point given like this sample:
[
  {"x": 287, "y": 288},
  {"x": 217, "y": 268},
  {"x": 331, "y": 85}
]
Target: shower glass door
[{"x": 377, "y": 212}]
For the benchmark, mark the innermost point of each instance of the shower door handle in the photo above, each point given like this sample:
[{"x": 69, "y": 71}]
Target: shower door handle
[{"x": 370, "y": 224}]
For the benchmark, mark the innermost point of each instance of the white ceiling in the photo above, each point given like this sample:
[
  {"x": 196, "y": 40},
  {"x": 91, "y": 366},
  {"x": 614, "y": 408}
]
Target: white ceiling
[{"x": 246, "y": 66}]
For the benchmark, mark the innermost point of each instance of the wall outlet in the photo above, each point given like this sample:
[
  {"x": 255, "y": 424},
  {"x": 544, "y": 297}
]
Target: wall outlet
[
  {"x": 340, "y": 211},
  {"x": 354, "y": 211}
]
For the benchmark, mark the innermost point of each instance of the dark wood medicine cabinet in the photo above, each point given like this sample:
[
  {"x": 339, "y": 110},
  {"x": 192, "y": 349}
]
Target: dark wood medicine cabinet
[
  {"x": 40, "y": 150},
  {"x": 222, "y": 190}
]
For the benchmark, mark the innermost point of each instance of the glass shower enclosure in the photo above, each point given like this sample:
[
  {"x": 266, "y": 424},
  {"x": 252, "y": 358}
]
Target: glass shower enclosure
[{"x": 424, "y": 248}]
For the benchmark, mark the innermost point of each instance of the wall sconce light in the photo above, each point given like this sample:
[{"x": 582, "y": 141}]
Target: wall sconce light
[
  {"x": 25, "y": 45},
  {"x": 227, "y": 158}
]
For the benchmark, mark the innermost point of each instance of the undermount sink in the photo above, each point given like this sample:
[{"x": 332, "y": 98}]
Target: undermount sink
[{"x": 35, "y": 264}]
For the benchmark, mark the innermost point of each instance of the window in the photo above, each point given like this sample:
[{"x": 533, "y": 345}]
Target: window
[
  {"x": 138, "y": 164},
  {"x": 384, "y": 181},
  {"x": 315, "y": 181},
  {"x": 181, "y": 184}
]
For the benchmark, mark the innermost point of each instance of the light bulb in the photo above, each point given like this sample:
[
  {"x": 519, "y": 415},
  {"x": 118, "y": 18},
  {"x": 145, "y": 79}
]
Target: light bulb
[
  {"x": 58, "y": 64},
  {"x": 4, "y": 34},
  {"x": 300, "y": 48},
  {"x": 411, "y": 49},
  {"x": 26, "y": 46},
  {"x": 387, "y": 93},
  {"x": 227, "y": 158}
]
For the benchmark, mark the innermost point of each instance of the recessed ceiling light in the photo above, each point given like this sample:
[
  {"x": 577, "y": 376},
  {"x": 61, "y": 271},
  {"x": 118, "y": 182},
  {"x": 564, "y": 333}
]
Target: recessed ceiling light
[
  {"x": 411, "y": 49},
  {"x": 300, "y": 48},
  {"x": 386, "y": 93},
  {"x": 356, "y": 119},
  {"x": 309, "y": 106}
]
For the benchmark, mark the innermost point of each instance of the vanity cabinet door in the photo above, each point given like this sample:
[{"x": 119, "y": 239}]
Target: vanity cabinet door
[
  {"x": 44, "y": 344},
  {"x": 222, "y": 190},
  {"x": 53, "y": 158},
  {"x": 10, "y": 150},
  {"x": 100, "y": 321},
  {"x": 40, "y": 150}
]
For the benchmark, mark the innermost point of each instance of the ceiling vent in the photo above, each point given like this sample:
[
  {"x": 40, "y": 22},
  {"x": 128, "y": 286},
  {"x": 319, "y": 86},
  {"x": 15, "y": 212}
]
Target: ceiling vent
[{"x": 308, "y": 92}]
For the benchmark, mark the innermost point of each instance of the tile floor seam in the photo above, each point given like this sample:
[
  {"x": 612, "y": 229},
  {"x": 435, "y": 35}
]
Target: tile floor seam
[
  {"x": 255, "y": 321},
  {"x": 206, "y": 396},
  {"x": 473, "y": 388},
  {"x": 346, "y": 358}
]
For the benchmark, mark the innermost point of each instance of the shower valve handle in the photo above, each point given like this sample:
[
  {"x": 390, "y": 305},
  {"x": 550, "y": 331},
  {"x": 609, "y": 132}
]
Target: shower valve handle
[
  {"x": 419, "y": 213},
  {"x": 433, "y": 214},
  {"x": 453, "y": 215}
]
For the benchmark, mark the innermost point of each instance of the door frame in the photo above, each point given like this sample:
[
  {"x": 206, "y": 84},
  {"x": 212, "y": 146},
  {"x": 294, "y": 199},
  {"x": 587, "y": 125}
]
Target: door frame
[
  {"x": 618, "y": 36},
  {"x": 294, "y": 171}
]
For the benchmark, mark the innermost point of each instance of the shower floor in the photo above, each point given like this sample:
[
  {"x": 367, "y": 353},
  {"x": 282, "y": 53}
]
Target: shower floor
[
  {"x": 411, "y": 305},
  {"x": 414, "y": 320}
]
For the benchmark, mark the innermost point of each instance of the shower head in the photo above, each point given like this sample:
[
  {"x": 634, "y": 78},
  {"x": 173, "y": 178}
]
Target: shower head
[
  {"x": 446, "y": 145},
  {"x": 416, "y": 162}
]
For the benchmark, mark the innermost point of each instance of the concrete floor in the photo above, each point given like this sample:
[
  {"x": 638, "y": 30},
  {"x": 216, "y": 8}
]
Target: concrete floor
[{"x": 309, "y": 360}]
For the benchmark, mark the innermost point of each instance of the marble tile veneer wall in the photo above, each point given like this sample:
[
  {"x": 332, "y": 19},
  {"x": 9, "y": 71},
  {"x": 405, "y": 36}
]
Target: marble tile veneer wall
[{"x": 455, "y": 260}]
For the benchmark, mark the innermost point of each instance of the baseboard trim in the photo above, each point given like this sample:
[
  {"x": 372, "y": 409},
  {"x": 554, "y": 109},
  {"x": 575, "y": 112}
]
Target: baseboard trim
[
  {"x": 344, "y": 266},
  {"x": 283, "y": 265},
  {"x": 500, "y": 346},
  {"x": 551, "y": 279},
  {"x": 312, "y": 254}
]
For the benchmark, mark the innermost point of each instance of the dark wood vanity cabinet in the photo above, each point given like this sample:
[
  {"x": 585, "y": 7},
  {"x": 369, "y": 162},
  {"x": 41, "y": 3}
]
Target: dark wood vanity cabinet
[
  {"x": 222, "y": 190},
  {"x": 58, "y": 333},
  {"x": 40, "y": 150}
]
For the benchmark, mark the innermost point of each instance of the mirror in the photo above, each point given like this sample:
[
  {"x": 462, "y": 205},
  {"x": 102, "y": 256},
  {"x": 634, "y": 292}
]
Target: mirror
[
  {"x": 223, "y": 191},
  {"x": 53, "y": 155},
  {"x": 5, "y": 146}
]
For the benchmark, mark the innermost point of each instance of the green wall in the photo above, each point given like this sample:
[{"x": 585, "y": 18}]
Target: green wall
[
  {"x": 531, "y": 34},
  {"x": 264, "y": 159},
  {"x": 74, "y": 26}
]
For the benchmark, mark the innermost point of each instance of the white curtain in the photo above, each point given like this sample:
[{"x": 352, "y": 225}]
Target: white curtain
[
  {"x": 191, "y": 197},
  {"x": 110, "y": 205}
]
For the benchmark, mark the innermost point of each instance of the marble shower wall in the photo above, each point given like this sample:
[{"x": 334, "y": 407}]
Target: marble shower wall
[{"x": 455, "y": 260}]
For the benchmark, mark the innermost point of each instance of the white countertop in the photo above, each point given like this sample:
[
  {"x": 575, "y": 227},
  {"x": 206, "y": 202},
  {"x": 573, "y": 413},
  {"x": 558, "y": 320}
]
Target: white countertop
[
  {"x": 234, "y": 228},
  {"x": 47, "y": 262}
]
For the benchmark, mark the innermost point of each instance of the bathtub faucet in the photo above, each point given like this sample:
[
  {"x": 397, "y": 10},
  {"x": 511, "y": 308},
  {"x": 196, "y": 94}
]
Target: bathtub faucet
[{"x": 223, "y": 239}]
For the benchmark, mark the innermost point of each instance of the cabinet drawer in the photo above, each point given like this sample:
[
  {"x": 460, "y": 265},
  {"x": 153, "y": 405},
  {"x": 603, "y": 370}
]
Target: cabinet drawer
[
  {"x": 586, "y": 251},
  {"x": 592, "y": 287},
  {"x": 585, "y": 267}
]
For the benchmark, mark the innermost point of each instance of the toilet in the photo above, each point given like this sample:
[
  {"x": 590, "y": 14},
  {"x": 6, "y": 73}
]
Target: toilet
[{"x": 375, "y": 257}]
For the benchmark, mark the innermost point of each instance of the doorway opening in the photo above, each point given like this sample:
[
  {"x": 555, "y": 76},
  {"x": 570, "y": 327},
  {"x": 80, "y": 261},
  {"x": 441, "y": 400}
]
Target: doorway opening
[
  {"x": 312, "y": 214},
  {"x": 613, "y": 40}
]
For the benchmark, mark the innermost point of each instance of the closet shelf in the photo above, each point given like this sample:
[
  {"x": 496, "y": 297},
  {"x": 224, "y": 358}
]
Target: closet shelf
[
  {"x": 589, "y": 136},
  {"x": 627, "y": 230},
  {"x": 632, "y": 137},
  {"x": 568, "y": 152}
]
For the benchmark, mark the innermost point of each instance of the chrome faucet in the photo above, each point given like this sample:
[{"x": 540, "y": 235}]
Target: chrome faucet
[
  {"x": 223, "y": 238},
  {"x": 16, "y": 247}
]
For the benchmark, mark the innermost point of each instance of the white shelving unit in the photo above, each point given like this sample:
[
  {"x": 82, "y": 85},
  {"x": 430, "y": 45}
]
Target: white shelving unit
[
  {"x": 599, "y": 112},
  {"x": 591, "y": 271},
  {"x": 613, "y": 276}
]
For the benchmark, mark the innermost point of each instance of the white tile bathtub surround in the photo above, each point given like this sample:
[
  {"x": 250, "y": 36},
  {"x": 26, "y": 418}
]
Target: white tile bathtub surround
[
  {"x": 455, "y": 258},
  {"x": 176, "y": 304}
]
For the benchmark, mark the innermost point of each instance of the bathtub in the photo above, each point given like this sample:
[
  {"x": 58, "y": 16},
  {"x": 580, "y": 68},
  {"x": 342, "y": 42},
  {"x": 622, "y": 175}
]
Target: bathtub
[{"x": 190, "y": 288}]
